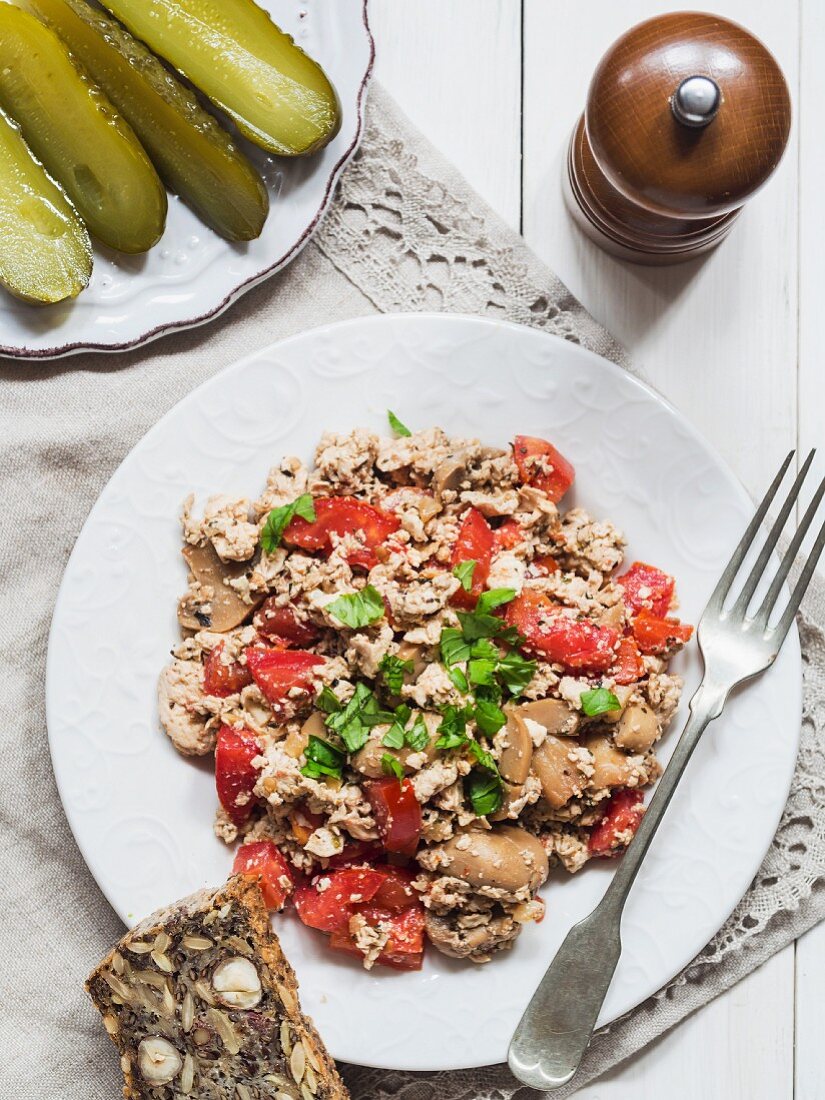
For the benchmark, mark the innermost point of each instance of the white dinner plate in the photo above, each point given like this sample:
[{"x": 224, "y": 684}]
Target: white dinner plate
[
  {"x": 142, "y": 814},
  {"x": 192, "y": 274}
]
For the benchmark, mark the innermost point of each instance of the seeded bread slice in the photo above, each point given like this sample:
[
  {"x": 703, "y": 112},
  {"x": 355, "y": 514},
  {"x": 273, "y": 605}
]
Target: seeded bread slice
[{"x": 201, "y": 1003}]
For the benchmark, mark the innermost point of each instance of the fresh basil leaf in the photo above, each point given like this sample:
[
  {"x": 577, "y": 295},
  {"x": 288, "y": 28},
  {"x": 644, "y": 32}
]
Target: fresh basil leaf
[
  {"x": 454, "y": 649},
  {"x": 489, "y": 717},
  {"x": 484, "y": 650},
  {"x": 403, "y": 713},
  {"x": 485, "y": 792},
  {"x": 453, "y": 728},
  {"x": 393, "y": 670},
  {"x": 484, "y": 758},
  {"x": 475, "y": 626},
  {"x": 494, "y": 598},
  {"x": 396, "y": 425},
  {"x": 279, "y": 519},
  {"x": 515, "y": 672},
  {"x": 358, "y": 609},
  {"x": 353, "y": 723},
  {"x": 391, "y": 766},
  {"x": 598, "y": 701},
  {"x": 459, "y": 679},
  {"x": 322, "y": 759},
  {"x": 464, "y": 571},
  {"x": 482, "y": 670},
  {"x": 394, "y": 737},
  {"x": 417, "y": 736},
  {"x": 491, "y": 693},
  {"x": 328, "y": 701}
]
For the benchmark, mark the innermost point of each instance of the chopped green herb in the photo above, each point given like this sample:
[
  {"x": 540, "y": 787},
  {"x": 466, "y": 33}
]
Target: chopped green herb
[
  {"x": 598, "y": 701},
  {"x": 453, "y": 728},
  {"x": 396, "y": 425},
  {"x": 485, "y": 791},
  {"x": 484, "y": 758},
  {"x": 454, "y": 649},
  {"x": 417, "y": 736},
  {"x": 403, "y": 713},
  {"x": 494, "y": 598},
  {"x": 393, "y": 670},
  {"x": 358, "y": 609},
  {"x": 459, "y": 679},
  {"x": 464, "y": 571},
  {"x": 515, "y": 672},
  {"x": 394, "y": 737},
  {"x": 475, "y": 626},
  {"x": 481, "y": 670},
  {"x": 489, "y": 717},
  {"x": 322, "y": 759},
  {"x": 391, "y": 766},
  {"x": 353, "y": 723},
  {"x": 279, "y": 519},
  {"x": 328, "y": 701}
]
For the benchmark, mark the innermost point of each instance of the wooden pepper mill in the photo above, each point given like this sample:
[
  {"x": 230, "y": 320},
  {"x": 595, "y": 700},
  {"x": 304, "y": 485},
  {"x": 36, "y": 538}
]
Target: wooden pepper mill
[{"x": 687, "y": 116}]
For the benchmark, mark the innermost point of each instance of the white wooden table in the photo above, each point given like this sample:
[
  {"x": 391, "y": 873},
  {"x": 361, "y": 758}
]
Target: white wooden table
[{"x": 736, "y": 342}]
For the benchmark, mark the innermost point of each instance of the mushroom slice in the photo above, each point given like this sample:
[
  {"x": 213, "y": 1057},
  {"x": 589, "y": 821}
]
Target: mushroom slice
[
  {"x": 558, "y": 771},
  {"x": 611, "y": 766},
  {"x": 517, "y": 750},
  {"x": 637, "y": 729},
  {"x": 368, "y": 760},
  {"x": 506, "y": 858},
  {"x": 226, "y": 608},
  {"x": 449, "y": 474},
  {"x": 555, "y": 715}
]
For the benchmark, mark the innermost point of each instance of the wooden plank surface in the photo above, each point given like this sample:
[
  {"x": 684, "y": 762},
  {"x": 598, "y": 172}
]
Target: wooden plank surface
[{"x": 490, "y": 81}]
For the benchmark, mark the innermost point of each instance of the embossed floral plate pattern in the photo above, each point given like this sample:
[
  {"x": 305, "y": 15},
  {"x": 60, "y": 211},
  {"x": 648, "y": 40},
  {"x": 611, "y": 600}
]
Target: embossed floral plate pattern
[
  {"x": 192, "y": 274},
  {"x": 142, "y": 814}
]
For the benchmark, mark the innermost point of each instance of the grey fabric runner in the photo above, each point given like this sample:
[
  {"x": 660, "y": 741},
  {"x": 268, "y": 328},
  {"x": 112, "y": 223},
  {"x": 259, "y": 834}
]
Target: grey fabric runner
[{"x": 405, "y": 233}]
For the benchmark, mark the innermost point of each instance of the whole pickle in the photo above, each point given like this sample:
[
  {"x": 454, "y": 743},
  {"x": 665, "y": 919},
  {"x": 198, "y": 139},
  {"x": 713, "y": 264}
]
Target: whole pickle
[
  {"x": 73, "y": 129},
  {"x": 194, "y": 155}
]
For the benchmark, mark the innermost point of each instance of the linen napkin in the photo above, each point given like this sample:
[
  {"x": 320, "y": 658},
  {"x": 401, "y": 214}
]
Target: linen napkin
[{"x": 405, "y": 233}]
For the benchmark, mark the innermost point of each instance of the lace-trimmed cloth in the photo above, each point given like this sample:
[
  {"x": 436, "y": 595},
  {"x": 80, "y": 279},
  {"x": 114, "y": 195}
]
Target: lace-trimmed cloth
[{"x": 405, "y": 233}]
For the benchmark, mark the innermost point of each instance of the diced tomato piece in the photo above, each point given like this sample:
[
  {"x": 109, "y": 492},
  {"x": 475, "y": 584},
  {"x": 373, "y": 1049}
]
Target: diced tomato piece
[
  {"x": 235, "y": 776},
  {"x": 330, "y": 908},
  {"x": 396, "y": 891},
  {"x": 475, "y": 543},
  {"x": 278, "y": 671},
  {"x": 355, "y": 853},
  {"x": 508, "y": 536},
  {"x": 647, "y": 588},
  {"x": 540, "y": 464},
  {"x": 397, "y": 813},
  {"x": 655, "y": 635},
  {"x": 545, "y": 564},
  {"x": 404, "y": 950},
  {"x": 628, "y": 667},
  {"x": 223, "y": 679},
  {"x": 343, "y": 516},
  {"x": 261, "y": 859},
  {"x": 578, "y": 645},
  {"x": 282, "y": 626},
  {"x": 623, "y": 814}
]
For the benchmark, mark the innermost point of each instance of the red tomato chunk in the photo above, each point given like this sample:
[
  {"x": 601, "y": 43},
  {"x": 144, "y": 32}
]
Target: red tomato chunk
[
  {"x": 397, "y": 813},
  {"x": 278, "y": 671},
  {"x": 260, "y": 859},
  {"x": 622, "y": 817},
  {"x": 540, "y": 464},
  {"x": 655, "y": 635},
  {"x": 629, "y": 667},
  {"x": 235, "y": 776},
  {"x": 647, "y": 588},
  {"x": 282, "y": 626},
  {"x": 331, "y": 899},
  {"x": 508, "y": 536},
  {"x": 343, "y": 516},
  {"x": 475, "y": 543},
  {"x": 404, "y": 949},
  {"x": 223, "y": 679},
  {"x": 577, "y": 644}
]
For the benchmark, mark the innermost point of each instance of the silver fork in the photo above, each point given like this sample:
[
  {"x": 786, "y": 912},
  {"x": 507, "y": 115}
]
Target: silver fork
[{"x": 557, "y": 1025}]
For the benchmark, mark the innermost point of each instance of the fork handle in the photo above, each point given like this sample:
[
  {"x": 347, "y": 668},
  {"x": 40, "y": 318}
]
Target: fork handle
[{"x": 555, "y": 1030}]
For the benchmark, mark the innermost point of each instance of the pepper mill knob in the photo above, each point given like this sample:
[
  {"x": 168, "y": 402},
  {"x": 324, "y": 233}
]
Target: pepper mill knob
[{"x": 687, "y": 116}]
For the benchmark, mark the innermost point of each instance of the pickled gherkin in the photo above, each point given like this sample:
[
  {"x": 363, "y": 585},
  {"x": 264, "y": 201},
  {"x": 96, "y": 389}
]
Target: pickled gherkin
[
  {"x": 278, "y": 96},
  {"x": 75, "y": 132},
  {"x": 194, "y": 155},
  {"x": 45, "y": 252}
]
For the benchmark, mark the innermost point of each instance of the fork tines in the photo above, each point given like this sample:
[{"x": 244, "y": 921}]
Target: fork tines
[{"x": 739, "y": 610}]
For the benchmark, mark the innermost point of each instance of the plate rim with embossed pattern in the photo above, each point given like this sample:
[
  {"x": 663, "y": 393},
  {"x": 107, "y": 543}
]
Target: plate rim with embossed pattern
[{"x": 491, "y": 378}]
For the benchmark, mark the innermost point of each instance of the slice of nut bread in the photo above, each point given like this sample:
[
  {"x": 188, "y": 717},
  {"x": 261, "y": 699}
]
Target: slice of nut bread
[{"x": 200, "y": 1002}]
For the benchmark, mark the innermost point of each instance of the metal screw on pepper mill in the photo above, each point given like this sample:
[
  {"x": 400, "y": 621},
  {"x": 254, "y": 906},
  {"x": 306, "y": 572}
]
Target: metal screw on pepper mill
[{"x": 687, "y": 116}]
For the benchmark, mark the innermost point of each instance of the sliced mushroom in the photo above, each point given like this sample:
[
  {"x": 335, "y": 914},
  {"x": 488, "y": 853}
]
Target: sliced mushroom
[
  {"x": 558, "y": 770},
  {"x": 517, "y": 749},
  {"x": 511, "y": 797},
  {"x": 505, "y": 858},
  {"x": 224, "y": 610},
  {"x": 368, "y": 759},
  {"x": 449, "y": 474},
  {"x": 555, "y": 715},
  {"x": 476, "y": 942},
  {"x": 408, "y": 651},
  {"x": 637, "y": 729},
  {"x": 611, "y": 766},
  {"x": 296, "y": 741}
]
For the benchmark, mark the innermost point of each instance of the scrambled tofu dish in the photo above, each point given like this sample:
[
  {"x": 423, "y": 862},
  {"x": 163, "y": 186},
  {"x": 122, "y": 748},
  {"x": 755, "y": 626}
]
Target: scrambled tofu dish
[{"x": 423, "y": 684}]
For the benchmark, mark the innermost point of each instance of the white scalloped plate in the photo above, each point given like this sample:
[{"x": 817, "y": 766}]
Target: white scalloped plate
[
  {"x": 192, "y": 274},
  {"x": 142, "y": 814}
]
